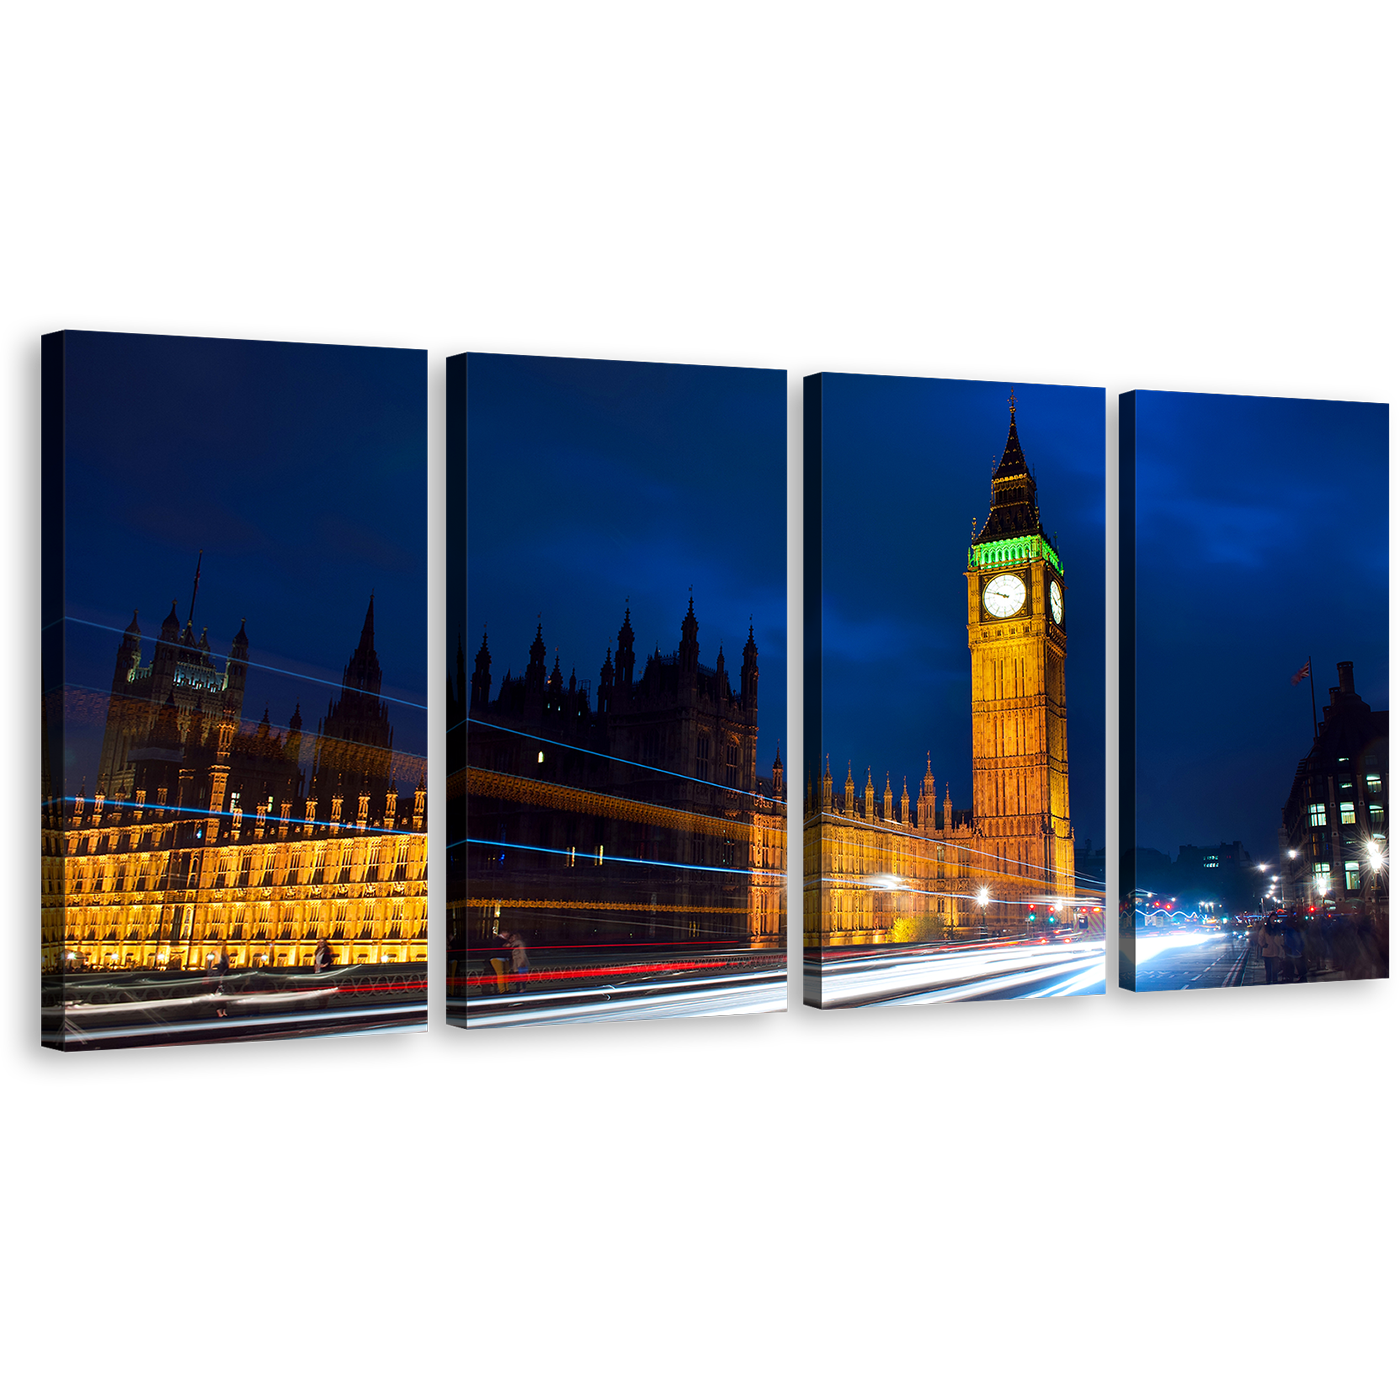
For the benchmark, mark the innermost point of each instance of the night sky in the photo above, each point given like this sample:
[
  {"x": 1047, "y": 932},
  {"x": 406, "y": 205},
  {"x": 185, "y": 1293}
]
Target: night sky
[
  {"x": 1262, "y": 539},
  {"x": 591, "y": 482},
  {"x": 907, "y": 463},
  {"x": 299, "y": 470}
]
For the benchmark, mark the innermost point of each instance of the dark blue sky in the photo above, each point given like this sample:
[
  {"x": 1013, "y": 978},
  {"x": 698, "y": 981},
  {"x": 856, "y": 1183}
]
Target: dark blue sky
[
  {"x": 907, "y": 463},
  {"x": 590, "y": 482},
  {"x": 1262, "y": 539},
  {"x": 299, "y": 470}
]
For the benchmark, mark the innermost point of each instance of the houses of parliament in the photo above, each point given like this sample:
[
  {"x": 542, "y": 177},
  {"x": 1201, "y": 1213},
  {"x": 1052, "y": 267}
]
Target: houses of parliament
[
  {"x": 630, "y": 815},
  {"x": 206, "y": 833},
  {"x": 882, "y": 870}
]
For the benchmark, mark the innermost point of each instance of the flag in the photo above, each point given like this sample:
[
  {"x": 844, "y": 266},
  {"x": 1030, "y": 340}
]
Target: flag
[{"x": 1303, "y": 674}]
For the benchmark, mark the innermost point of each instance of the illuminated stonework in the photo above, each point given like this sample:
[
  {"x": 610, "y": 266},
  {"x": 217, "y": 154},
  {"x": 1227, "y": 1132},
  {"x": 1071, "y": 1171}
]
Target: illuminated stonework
[
  {"x": 1020, "y": 751},
  {"x": 128, "y": 889},
  {"x": 225, "y": 835},
  {"x": 888, "y": 871}
]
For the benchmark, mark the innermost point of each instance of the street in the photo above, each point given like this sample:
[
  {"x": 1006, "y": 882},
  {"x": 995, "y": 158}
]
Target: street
[
  {"x": 724, "y": 994},
  {"x": 1189, "y": 957},
  {"x": 977, "y": 972}
]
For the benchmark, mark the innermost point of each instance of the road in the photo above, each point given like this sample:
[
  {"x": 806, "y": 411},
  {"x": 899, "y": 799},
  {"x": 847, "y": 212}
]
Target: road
[
  {"x": 1187, "y": 957},
  {"x": 721, "y": 994},
  {"x": 963, "y": 972},
  {"x": 259, "y": 1017}
]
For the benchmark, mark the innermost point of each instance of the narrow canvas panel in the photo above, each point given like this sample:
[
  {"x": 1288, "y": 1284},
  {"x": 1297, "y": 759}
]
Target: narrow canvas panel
[
  {"x": 234, "y": 690},
  {"x": 1255, "y": 726},
  {"x": 953, "y": 832},
  {"x": 617, "y": 817}
]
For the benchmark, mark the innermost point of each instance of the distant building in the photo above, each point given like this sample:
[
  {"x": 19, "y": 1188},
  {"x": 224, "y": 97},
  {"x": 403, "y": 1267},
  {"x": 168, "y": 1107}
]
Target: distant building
[
  {"x": 1223, "y": 875},
  {"x": 1333, "y": 835},
  {"x": 1090, "y": 866},
  {"x": 1153, "y": 867}
]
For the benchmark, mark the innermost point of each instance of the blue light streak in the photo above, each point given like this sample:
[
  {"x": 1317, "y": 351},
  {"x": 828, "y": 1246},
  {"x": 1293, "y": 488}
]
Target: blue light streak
[
  {"x": 591, "y": 858},
  {"x": 631, "y": 763},
  {"x": 253, "y": 666}
]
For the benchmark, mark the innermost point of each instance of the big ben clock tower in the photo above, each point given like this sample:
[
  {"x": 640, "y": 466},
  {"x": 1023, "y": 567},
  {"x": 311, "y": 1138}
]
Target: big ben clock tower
[{"x": 1016, "y": 632}]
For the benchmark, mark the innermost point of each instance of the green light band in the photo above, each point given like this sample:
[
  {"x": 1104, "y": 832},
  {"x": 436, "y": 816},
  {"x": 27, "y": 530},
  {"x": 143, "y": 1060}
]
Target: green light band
[{"x": 1012, "y": 552}]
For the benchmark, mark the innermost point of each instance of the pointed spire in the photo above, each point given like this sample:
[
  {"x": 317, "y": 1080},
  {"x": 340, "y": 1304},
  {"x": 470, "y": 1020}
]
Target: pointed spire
[
  {"x": 170, "y": 628},
  {"x": 1014, "y": 510},
  {"x": 194, "y": 592},
  {"x": 689, "y": 654},
  {"x": 367, "y": 631},
  {"x": 481, "y": 676}
]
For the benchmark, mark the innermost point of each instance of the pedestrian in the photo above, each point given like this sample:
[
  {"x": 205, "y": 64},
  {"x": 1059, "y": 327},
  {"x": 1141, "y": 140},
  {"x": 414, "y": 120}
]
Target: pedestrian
[
  {"x": 1254, "y": 936},
  {"x": 1375, "y": 939},
  {"x": 1271, "y": 949},
  {"x": 519, "y": 961},
  {"x": 1316, "y": 944},
  {"x": 220, "y": 972},
  {"x": 325, "y": 958},
  {"x": 1295, "y": 948}
]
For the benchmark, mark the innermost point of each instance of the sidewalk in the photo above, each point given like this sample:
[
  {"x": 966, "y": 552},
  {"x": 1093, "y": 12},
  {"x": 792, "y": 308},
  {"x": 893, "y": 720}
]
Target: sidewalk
[{"x": 1254, "y": 972}]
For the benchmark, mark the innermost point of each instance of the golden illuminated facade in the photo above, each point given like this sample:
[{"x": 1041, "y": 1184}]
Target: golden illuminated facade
[
  {"x": 1016, "y": 633},
  {"x": 136, "y": 891},
  {"x": 217, "y": 840},
  {"x": 892, "y": 873}
]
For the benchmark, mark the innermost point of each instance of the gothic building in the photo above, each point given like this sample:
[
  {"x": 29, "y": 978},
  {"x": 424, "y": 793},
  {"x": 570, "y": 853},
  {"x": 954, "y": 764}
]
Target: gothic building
[
  {"x": 630, "y": 814},
  {"x": 895, "y": 871},
  {"x": 205, "y": 831}
]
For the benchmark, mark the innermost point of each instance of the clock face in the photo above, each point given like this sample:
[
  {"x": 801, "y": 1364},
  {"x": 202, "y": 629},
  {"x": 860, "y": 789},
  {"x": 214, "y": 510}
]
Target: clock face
[
  {"x": 1057, "y": 602},
  {"x": 1004, "y": 595}
]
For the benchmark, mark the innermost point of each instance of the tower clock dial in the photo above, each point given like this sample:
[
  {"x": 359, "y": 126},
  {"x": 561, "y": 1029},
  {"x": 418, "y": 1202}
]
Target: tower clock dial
[
  {"x": 1004, "y": 595},
  {"x": 1057, "y": 602}
]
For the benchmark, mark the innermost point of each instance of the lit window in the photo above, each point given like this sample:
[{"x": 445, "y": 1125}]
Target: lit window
[
  {"x": 1322, "y": 871},
  {"x": 1211, "y": 862},
  {"x": 1317, "y": 814},
  {"x": 1348, "y": 812},
  {"x": 1373, "y": 783},
  {"x": 1353, "y": 874},
  {"x": 1377, "y": 817}
]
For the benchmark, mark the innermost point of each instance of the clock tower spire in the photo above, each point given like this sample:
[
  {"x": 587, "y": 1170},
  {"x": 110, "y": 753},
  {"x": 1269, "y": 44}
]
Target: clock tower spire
[{"x": 1016, "y": 635}]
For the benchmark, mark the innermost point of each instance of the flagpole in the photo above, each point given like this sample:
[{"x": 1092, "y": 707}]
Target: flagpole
[{"x": 1313, "y": 690}]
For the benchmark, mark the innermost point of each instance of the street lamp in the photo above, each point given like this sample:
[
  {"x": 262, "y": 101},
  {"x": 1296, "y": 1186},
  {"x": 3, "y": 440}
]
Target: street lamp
[
  {"x": 1375, "y": 861},
  {"x": 982, "y": 897}
]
